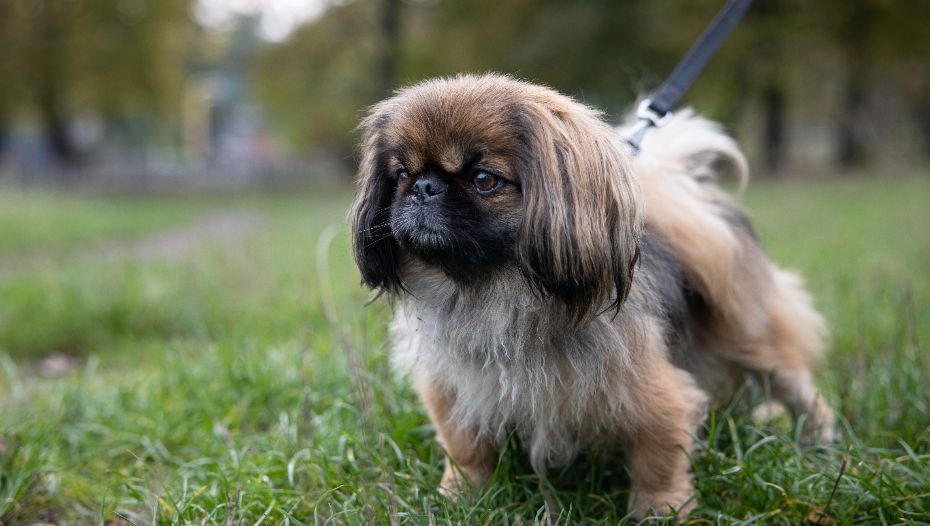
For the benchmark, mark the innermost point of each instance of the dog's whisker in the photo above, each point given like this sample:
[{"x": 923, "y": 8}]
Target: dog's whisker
[
  {"x": 374, "y": 228},
  {"x": 377, "y": 240}
]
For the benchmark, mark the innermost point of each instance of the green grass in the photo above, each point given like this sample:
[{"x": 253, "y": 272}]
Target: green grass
[
  {"x": 34, "y": 221},
  {"x": 246, "y": 382}
]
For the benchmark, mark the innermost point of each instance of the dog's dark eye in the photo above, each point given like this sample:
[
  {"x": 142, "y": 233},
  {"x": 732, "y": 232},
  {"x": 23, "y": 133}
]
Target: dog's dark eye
[
  {"x": 401, "y": 173},
  {"x": 486, "y": 182}
]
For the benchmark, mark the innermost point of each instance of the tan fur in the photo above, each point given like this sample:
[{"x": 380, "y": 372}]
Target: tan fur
[
  {"x": 764, "y": 321},
  {"x": 661, "y": 440},
  {"x": 535, "y": 348},
  {"x": 470, "y": 458}
]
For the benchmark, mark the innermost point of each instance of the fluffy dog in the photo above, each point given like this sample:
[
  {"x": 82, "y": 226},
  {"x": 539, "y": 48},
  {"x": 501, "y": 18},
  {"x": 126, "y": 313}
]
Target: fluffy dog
[{"x": 548, "y": 283}]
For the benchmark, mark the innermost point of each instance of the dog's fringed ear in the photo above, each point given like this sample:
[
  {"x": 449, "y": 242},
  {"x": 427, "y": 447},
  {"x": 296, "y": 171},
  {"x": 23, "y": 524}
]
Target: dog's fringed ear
[
  {"x": 582, "y": 209},
  {"x": 374, "y": 245}
]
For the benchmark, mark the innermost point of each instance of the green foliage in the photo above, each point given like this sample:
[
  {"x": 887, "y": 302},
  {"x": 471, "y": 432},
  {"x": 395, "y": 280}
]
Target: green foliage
[
  {"x": 836, "y": 61},
  {"x": 109, "y": 55},
  {"x": 246, "y": 383},
  {"x": 319, "y": 81},
  {"x": 857, "y": 67},
  {"x": 317, "y": 85},
  {"x": 112, "y": 59}
]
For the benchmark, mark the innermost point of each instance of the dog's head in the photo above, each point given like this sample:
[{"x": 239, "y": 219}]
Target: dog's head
[{"x": 473, "y": 174}]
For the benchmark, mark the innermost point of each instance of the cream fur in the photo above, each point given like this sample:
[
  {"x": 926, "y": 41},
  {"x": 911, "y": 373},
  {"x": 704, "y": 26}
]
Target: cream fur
[{"x": 512, "y": 365}]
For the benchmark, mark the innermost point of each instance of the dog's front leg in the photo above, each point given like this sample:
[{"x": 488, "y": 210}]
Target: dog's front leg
[
  {"x": 470, "y": 459},
  {"x": 666, "y": 411}
]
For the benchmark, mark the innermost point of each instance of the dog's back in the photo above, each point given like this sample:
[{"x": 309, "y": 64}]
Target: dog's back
[{"x": 758, "y": 317}]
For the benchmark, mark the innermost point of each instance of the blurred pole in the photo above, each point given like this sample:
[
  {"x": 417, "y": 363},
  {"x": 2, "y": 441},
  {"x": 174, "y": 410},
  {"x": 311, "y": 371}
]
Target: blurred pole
[{"x": 390, "y": 36}]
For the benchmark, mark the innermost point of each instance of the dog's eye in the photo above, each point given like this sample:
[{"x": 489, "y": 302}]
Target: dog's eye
[
  {"x": 401, "y": 173},
  {"x": 486, "y": 182}
]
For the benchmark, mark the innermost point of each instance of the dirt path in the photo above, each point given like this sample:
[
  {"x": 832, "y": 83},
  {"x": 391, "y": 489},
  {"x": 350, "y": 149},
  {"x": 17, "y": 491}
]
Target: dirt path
[{"x": 223, "y": 228}]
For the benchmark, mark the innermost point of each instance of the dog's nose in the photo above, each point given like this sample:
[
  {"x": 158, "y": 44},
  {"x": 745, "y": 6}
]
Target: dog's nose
[{"x": 426, "y": 188}]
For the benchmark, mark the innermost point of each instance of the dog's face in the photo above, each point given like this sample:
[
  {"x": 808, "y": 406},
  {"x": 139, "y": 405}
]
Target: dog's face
[
  {"x": 477, "y": 173},
  {"x": 456, "y": 190}
]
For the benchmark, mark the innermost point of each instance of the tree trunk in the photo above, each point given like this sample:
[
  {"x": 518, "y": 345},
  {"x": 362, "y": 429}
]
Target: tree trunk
[
  {"x": 4, "y": 136},
  {"x": 55, "y": 124},
  {"x": 773, "y": 99},
  {"x": 922, "y": 118},
  {"x": 390, "y": 33},
  {"x": 52, "y": 83},
  {"x": 850, "y": 148}
]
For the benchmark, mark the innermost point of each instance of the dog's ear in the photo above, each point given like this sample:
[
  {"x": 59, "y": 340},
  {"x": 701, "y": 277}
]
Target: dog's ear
[
  {"x": 582, "y": 209},
  {"x": 373, "y": 242}
]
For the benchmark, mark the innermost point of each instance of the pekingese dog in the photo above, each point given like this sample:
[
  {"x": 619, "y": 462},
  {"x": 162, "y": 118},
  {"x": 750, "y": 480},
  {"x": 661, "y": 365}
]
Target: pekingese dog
[{"x": 547, "y": 282}]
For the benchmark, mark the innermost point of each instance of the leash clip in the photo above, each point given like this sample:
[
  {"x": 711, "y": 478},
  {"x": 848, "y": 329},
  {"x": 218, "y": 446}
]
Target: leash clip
[
  {"x": 647, "y": 118},
  {"x": 644, "y": 112}
]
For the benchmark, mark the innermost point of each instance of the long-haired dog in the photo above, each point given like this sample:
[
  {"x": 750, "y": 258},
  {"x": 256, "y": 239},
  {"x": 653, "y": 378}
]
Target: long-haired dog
[{"x": 547, "y": 283}]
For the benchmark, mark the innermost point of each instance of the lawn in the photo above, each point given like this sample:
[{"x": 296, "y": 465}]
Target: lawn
[{"x": 241, "y": 380}]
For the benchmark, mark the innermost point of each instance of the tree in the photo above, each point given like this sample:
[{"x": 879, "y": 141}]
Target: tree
[
  {"x": 593, "y": 49},
  {"x": 878, "y": 43},
  {"x": 316, "y": 84},
  {"x": 319, "y": 81},
  {"x": 390, "y": 44},
  {"x": 791, "y": 64},
  {"x": 108, "y": 56},
  {"x": 6, "y": 72}
]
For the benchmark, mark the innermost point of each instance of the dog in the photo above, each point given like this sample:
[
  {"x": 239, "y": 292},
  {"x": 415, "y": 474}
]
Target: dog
[{"x": 547, "y": 283}]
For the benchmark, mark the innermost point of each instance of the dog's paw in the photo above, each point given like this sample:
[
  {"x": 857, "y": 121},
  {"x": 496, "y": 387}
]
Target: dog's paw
[
  {"x": 453, "y": 483},
  {"x": 662, "y": 505},
  {"x": 819, "y": 427},
  {"x": 458, "y": 481}
]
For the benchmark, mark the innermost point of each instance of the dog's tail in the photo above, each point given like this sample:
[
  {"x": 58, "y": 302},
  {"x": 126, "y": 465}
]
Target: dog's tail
[
  {"x": 692, "y": 145},
  {"x": 677, "y": 170}
]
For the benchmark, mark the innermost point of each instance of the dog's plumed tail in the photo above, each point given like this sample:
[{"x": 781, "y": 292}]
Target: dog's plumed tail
[
  {"x": 678, "y": 168},
  {"x": 692, "y": 145}
]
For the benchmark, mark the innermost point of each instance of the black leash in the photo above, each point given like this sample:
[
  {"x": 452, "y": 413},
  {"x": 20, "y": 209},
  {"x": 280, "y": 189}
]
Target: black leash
[{"x": 657, "y": 110}]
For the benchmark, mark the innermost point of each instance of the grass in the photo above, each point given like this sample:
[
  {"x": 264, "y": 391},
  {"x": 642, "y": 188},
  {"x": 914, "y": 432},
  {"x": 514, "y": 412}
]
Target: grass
[
  {"x": 245, "y": 383},
  {"x": 36, "y": 221}
]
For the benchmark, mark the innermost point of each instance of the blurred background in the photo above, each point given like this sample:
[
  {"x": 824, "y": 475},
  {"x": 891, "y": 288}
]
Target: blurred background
[
  {"x": 182, "y": 330},
  {"x": 156, "y": 95}
]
